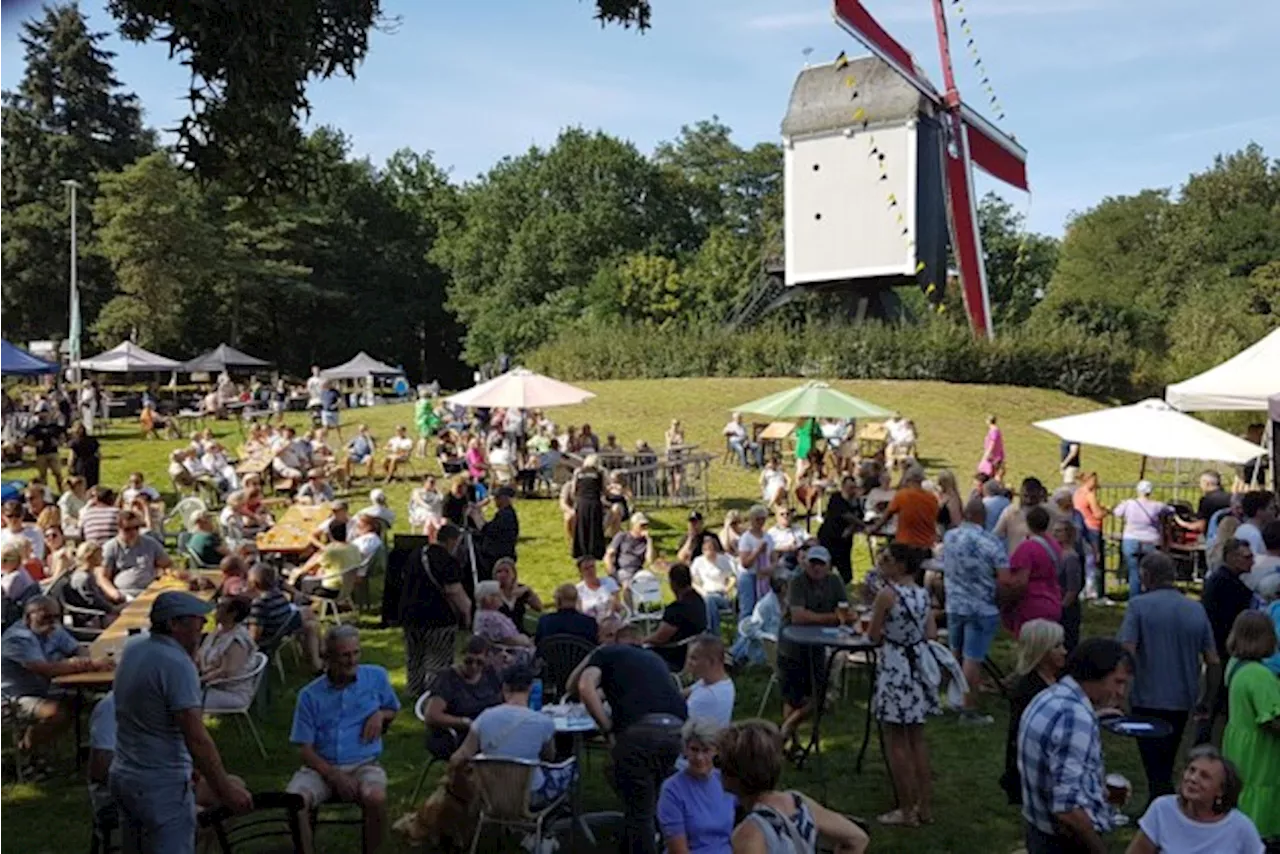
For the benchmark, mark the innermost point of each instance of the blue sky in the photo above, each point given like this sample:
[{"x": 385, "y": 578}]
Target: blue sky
[{"x": 1108, "y": 96}]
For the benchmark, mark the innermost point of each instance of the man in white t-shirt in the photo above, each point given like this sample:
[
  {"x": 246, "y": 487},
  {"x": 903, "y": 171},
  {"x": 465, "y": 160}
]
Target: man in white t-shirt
[
  {"x": 712, "y": 694},
  {"x": 315, "y": 389},
  {"x": 397, "y": 450},
  {"x": 786, "y": 538},
  {"x": 366, "y": 539}
]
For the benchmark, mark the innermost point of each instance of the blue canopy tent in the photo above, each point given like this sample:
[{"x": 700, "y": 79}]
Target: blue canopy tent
[{"x": 18, "y": 362}]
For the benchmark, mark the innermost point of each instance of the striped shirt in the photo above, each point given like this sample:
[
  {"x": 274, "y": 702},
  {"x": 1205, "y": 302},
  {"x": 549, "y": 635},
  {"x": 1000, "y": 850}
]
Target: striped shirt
[
  {"x": 269, "y": 612},
  {"x": 1060, "y": 758},
  {"x": 98, "y": 523}
]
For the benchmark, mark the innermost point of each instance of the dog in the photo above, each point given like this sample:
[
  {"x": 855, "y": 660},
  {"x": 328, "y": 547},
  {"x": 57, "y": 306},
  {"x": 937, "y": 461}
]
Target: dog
[{"x": 446, "y": 821}]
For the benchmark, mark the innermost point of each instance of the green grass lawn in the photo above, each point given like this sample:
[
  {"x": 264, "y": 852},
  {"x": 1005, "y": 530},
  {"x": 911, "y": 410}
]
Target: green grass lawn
[{"x": 970, "y": 808}]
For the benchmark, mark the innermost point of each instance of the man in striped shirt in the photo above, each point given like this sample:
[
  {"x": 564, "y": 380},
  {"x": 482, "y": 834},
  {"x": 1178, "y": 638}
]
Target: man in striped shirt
[
  {"x": 1064, "y": 800},
  {"x": 272, "y": 611}
]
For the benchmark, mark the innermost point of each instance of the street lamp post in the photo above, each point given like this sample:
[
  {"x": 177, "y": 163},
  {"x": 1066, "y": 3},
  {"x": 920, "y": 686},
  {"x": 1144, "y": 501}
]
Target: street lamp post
[{"x": 74, "y": 305}]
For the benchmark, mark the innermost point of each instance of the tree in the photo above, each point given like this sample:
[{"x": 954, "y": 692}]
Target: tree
[
  {"x": 738, "y": 188},
  {"x": 156, "y": 232},
  {"x": 250, "y": 66},
  {"x": 1109, "y": 276},
  {"x": 67, "y": 120},
  {"x": 536, "y": 229},
  {"x": 1019, "y": 263}
]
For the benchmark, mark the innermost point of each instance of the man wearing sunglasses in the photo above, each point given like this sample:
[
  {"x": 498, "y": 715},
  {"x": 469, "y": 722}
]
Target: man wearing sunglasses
[{"x": 130, "y": 560}]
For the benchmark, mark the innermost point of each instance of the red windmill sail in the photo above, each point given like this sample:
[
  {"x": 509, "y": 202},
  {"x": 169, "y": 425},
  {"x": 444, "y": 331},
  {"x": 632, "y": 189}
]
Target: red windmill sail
[{"x": 971, "y": 140}]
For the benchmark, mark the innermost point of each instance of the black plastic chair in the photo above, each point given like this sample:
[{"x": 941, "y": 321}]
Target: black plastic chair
[
  {"x": 559, "y": 655},
  {"x": 233, "y": 832}
]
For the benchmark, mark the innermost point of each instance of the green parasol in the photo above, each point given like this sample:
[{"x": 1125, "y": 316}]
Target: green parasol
[{"x": 813, "y": 400}]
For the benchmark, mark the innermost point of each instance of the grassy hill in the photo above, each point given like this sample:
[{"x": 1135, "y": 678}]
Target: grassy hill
[{"x": 951, "y": 424}]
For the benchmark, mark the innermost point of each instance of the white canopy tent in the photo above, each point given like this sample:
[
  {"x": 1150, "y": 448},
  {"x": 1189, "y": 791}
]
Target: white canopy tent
[
  {"x": 1243, "y": 382},
  {"x": 1152, "y": 428},
  {"x": 129, "y": 357},
  {"x": 360, "y": 366},
  {"x": 521, "y": 389}
]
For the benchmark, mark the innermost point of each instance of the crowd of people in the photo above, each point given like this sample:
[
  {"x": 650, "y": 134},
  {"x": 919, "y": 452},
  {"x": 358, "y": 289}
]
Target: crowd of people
[{"x": 690, "y": 777}]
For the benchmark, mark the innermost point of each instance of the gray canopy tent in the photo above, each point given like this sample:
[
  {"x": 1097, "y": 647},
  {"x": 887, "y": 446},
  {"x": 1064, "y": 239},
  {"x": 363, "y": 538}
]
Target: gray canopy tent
[
  {"x": 224, "y": 357},
  {"x": 361, "y": 366}
]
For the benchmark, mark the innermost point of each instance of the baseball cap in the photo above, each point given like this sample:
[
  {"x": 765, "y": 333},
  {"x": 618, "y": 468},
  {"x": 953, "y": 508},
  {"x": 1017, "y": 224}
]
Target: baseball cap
[
  {"x": 175, "y": 603},
  {"x": 504, "y": 492},
  {"x": 820, "y": 554},
  {"x": 1145, "y": 487},
  {"x": 695, "y": 515},
  {"x": 639, "y": 519},
  {"x": 377, "y": 496}
]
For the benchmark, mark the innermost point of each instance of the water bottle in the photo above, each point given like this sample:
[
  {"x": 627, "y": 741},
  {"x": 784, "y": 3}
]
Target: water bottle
[{"x": 535, "y": 695}]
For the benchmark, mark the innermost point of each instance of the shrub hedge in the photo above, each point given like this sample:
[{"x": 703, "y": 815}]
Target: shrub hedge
[{"x": 1063, "y": 357}]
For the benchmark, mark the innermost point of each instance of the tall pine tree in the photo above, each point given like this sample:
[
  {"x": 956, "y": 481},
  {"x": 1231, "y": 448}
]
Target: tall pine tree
[{"x": 67, "y": 119}]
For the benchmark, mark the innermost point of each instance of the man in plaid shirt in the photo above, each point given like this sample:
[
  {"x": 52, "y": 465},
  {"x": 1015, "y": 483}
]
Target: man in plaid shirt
[{"x": 1060, "y": 752}]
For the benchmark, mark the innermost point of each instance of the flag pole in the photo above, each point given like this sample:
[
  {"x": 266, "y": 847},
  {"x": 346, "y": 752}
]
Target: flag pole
[{"x": 73, "y": 331}]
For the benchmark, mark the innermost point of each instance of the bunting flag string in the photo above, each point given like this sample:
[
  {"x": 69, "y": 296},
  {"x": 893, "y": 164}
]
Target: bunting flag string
[
  {"x": 892, "y": 204},
  {"x": 972, "y": 48}
]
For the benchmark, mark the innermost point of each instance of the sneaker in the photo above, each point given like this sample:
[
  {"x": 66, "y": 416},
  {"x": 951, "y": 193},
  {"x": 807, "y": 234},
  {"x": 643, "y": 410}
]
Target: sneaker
[{"x": 975, "y": 719}]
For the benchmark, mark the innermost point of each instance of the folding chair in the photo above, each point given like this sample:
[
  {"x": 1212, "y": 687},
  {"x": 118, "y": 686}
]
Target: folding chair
[
  {"x": 559, "y": 655},
  {"x": 645, "y": 593},
  {"x": 503, "y": 787},
  {"x": 770, "y": 643},
  {"x": 234, "y": 833},
  {"x": 253, "y": 676},
  {"x": 420, "y": 712}
]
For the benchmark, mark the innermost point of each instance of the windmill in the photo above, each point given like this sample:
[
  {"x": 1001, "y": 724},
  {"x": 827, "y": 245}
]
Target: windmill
[{"x": 969, "y": 140}]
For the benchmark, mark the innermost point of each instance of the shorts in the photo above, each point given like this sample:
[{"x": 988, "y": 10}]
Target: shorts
[
  {"x": 970, "y": 635},
  {"x": 1070, "y": 474},
  {"x": 328, "y": 418},
  {"x": 316, "y": 791},
  {"x": 796, "y": 676},
  {"x": 45, "y": 462},
  {"x": 279, "y": 406},
  {"x": 359, "y": 459},
  {"x": 26, "y": 710}
]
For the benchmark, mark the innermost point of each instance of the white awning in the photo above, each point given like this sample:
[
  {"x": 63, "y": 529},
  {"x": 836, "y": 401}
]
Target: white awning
[
  {"x": 1243, "y": 382},
  {"x": 127, "y": 357},
  {"x": 1152, "y": 428}
]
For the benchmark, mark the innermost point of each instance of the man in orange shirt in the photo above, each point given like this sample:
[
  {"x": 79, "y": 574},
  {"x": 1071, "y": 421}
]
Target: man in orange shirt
[{"x": 917, "y": 512}]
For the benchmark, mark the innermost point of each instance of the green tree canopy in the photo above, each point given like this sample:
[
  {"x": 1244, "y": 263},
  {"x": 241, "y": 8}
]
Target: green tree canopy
[
  {"x": 66, "y": 120},
  {"x": 250, "y": 65}
]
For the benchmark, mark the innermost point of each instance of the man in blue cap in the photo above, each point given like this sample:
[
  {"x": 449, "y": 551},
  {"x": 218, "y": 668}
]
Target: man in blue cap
[{"x": 161, "y": 733}]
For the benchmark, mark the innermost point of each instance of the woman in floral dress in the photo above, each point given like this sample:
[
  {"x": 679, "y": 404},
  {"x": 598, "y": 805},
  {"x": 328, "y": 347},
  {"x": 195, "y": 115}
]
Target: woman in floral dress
[{"x": 902, "y": 621}]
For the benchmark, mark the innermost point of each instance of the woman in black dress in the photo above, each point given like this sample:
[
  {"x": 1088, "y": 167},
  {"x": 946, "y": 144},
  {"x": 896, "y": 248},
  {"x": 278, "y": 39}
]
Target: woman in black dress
[
  {"x": 843, "y": 517},
  {"x": 1041, "y": 657},
  {"x": 85, "y": 458},
  {"x": 588, "y": 507}
]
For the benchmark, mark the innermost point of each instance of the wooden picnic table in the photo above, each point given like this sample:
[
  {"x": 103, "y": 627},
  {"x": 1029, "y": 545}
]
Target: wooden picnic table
[
  {"x": 135, "y": 615},
  {"x": 257, "y": 464},
  {"x": 291, "y": 534}
]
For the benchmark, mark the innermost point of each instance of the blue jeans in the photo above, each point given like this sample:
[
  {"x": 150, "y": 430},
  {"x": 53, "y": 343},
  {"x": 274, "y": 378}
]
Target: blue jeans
[
  {"x": 155, "y": 817},
  {"x": 748, "y": 649},
  {"x": 740, "y": 448},
  {"x": 1093, "y": 540},
  {"x": 1133, "y": 551},
  {"x": 746, "y": 594},
  {"x": 715, "y": 601}
]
